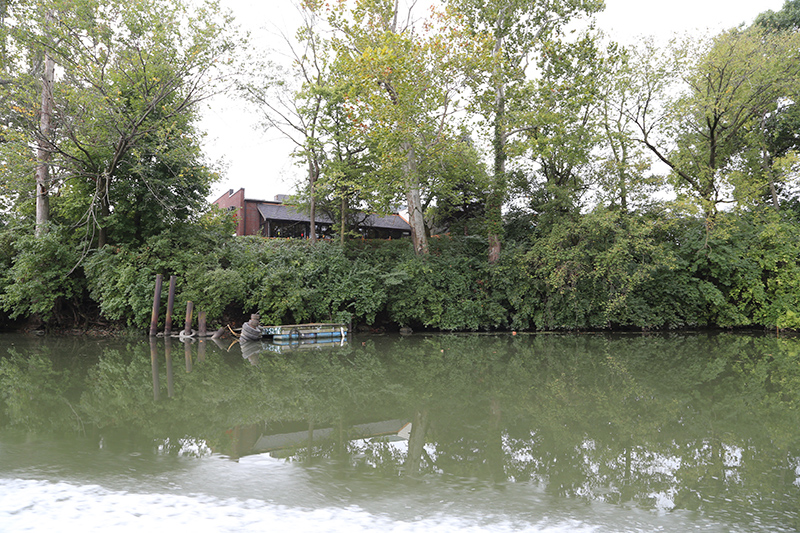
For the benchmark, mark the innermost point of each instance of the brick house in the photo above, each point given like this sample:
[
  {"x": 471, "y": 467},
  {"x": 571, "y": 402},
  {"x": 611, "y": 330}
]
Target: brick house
[{"x": 278, "y": 219}]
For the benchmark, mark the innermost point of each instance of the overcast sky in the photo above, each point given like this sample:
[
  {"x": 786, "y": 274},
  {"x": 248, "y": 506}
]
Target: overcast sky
[{"x": 260, "y": 161}]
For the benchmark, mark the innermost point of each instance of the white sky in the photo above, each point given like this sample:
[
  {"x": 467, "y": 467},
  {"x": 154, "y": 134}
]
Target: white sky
[{"x": 260, "y": 161}]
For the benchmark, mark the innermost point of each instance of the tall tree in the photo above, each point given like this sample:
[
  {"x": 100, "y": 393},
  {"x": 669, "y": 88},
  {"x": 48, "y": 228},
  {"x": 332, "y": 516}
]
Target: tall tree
[
  {"x": 518, "y": 30},
  {"x": 622, "y": 166},
  {"x": 775, "y": 139},
  {"x": 406, "y": 80},
  {"x": 349, "y": 161},
  {"x": 564, "y": 119},
  {"x": 35, "y": 70},
  {"x": 130, "y": 78},
  {"x": 729, "y": 83},
  {"x": 291, "y": 99},
  {"x": 43, "y": 150}
]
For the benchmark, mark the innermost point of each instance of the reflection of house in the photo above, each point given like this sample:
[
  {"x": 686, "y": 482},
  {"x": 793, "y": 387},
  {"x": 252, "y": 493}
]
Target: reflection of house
[
  {"x": 259, "y": 438},
  {"x": 277, "y": 219},
  {"x": 396, "y": 429}
]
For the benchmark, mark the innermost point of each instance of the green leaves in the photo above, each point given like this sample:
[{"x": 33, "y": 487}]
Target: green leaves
[
  {"x": 594, "y": 271},
  {"x": 43, "y": 277},
  {"x": 732, "y": 86},
  {"x": 123, "y": 138}
]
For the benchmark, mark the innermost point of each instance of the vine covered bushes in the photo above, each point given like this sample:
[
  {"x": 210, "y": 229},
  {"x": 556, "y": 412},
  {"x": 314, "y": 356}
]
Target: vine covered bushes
[{"x": 602, "y": 270}]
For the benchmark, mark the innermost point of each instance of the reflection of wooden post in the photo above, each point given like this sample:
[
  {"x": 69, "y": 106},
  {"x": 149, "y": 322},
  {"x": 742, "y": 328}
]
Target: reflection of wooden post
[
  {"x": 187, "y": 353},
  {"x": 221, "y": 345},
  {"x": 154, "y": 365},
  {"x": 170, "y": 306},
  {"x": 168, "y": 356},
  {"x": 187, "y": 328},
  {"x": 156, "y": 304},
  {"x": 416, "y": 442},
  {"x": 201, "y": 350},
  {"x": 201, "y": 324},
  {"x": 236, "y": 439},
  {"x": 494, "y": 442}
]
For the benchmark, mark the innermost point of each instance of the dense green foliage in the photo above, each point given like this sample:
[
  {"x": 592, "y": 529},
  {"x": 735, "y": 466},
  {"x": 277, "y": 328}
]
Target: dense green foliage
[{"x": 603, "y": 270}]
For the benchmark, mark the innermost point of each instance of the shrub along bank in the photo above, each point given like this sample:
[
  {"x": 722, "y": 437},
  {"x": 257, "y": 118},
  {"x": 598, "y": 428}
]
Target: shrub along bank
[{"x": 603, "y": 270}]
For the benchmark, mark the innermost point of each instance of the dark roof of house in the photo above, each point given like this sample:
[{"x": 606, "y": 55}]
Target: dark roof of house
[
  {"x": 388, "y": 222},
  {"x": 275, "y": 211},
  {"x": 271, "y": 211}
]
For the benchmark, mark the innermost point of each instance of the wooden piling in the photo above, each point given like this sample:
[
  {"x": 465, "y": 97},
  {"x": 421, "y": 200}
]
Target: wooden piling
[
  {"x": 201, "y": 324},
  {"x": 156, "y": 304},
  {"x": 170, "y": 306},
  {"x": 187, "y": 328}
]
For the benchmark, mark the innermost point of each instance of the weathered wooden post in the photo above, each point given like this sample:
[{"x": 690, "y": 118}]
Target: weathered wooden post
[
  {"x": 201, "y": 324},
  {"x": 170, "y": 306},
  {"x": 187, "y": 328},
  {"x": 156, "y": 303}
]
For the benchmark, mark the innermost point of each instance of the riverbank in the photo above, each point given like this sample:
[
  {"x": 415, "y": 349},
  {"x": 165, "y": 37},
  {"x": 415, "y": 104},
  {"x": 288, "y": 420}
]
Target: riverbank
[{"x": 601, "y": 271}]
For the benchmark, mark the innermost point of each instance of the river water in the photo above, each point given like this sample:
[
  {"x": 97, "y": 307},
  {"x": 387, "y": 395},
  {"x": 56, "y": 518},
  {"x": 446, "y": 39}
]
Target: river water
[{"x": 540, "y": 433}]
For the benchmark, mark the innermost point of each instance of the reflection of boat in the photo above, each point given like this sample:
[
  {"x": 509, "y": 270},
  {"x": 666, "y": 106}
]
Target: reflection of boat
[
  {"x": 285, "y": 346},
  {"x": 251, "y": 349}
]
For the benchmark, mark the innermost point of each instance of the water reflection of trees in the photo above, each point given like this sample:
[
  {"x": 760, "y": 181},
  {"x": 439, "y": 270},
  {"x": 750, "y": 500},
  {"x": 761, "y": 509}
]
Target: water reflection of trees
[{"x": 690, "y": 422}]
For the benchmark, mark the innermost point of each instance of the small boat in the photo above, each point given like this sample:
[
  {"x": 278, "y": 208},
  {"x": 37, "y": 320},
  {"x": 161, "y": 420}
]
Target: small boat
[
  {"x": 299, "y": 332},
  {"x": 254, "y": 331}
]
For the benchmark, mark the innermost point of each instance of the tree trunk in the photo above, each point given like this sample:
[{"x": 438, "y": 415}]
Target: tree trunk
[
  {"x": 418, "y": 236},
  {"x": 344, "y": 218},
  {"x": 312, "y": 210},
  {"x": 494, "y": 213},
  {"x": 44, "y": 147},
  {"x": 623, "y": 179},
  {"x": 494, "y": 205},
  {"x": 413, "y": 197},
  {"x": 105, "y": 210},
  {"x": 766, "y": 167}
]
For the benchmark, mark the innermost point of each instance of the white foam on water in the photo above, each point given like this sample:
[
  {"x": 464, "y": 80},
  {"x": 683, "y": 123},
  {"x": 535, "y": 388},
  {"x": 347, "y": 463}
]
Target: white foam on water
[{"x": 32, "y": 505}]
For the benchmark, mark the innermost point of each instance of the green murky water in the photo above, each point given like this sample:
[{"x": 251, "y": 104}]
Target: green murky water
[{"x": 423, "y": 433}]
